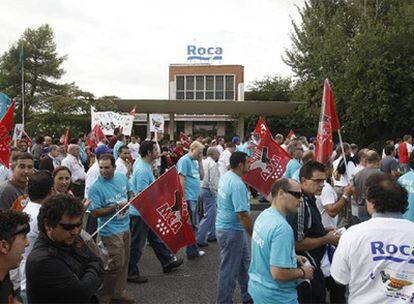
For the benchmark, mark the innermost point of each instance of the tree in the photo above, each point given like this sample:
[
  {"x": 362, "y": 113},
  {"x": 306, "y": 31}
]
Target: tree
[
  {"x": 365, "y": 49},
  {"x": 50, "y": 107}
]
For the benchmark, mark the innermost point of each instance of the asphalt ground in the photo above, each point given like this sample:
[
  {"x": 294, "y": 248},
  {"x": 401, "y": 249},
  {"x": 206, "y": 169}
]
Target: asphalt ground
[{"x": 194, "y": 282}]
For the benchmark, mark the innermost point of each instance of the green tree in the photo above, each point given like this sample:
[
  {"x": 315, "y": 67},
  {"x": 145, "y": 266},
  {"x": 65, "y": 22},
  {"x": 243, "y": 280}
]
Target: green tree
[{"x": 365, "y": 49}]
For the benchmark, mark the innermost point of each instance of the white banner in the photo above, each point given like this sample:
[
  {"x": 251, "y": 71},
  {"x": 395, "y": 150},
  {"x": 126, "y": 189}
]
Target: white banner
[
  {"x": 156, "y": 123},
  {"x": 109, "y": 121},
  {"x": 18, "y": 130}
]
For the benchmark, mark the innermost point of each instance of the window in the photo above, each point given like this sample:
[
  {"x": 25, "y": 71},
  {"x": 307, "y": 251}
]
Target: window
[{"x": 208, "y": 87}]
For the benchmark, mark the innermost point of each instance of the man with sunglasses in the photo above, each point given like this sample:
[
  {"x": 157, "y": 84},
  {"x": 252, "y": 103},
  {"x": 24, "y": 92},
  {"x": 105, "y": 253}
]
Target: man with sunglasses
[
  {"x": 275, "y": 268},
  {"x": 61, "y": 267},
  {"x": 14, "y": 227},
  {"x": 310, "y": 235}
]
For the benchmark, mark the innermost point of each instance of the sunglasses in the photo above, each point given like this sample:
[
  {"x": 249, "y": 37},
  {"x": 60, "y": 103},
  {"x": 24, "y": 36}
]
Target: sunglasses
[
  {"x": 298, "y": 195},
  {"x": 70, "y": 227},
  {"x": 25, "y": 229}
]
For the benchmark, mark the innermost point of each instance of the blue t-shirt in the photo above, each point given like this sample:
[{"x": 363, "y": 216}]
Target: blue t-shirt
[
  {"x": 273, "y": 244},
  {"x": 118, "y": 145},
  {"x": 105, "y": 193},
  {"x": 295, "y": 175},
  {"x": 141, "y": 178},
  {"x": 232, "y": 198},
  {"x": 291, "y": 167},
  {"x": 188, "y": 168},
  {"x": 407, "y": 181}
]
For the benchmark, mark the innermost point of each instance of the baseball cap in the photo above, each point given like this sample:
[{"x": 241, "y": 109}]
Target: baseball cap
[
  {"x": 102, "y": 149},
  {"x": 235, "y": 139}
]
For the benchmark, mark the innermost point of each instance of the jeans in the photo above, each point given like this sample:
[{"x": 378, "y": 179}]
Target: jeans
[
  {"x": 140, "y": 232},
  {"x": 115, "y": 277},
  {"x": 207, "y": 225},
  {"x": 234, "y": 265},
  {"x": 192, "y": 250}
]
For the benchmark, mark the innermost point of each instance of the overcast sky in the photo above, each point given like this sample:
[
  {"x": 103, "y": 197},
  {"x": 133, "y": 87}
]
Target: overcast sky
[{"x": 124, "y": 47}]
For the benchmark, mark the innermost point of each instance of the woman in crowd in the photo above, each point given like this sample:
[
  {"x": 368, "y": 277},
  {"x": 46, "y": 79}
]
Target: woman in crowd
[{"x": 61, "y": 180}]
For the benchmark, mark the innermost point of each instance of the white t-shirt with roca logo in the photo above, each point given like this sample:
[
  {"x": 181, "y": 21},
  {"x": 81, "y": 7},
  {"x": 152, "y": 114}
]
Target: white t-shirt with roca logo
[{"x": 376, "y": 259}]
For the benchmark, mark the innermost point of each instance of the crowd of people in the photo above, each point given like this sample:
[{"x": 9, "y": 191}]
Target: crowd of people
[{"x": 337, "y": 231}]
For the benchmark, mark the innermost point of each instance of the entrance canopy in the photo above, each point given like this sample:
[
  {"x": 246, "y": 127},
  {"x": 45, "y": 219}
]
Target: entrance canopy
[{"x": 227, "y": 107}]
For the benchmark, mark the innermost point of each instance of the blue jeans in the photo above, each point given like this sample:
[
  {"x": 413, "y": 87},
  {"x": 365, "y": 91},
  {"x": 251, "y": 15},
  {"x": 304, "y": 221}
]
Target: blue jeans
[
  {"x": 192, "y": 250},
  {"x": 234, "y": 265},
  {"x": 207, "y": 225},
  {"x": 140, "y": 232}
]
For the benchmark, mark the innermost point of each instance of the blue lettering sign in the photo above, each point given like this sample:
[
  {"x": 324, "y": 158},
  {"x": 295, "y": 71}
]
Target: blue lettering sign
[{"x": 203, "y": 53}]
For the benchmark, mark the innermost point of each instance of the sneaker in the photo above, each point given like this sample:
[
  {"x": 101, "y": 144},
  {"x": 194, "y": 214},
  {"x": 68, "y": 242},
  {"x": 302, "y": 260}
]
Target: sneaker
[
  {"x": 198, "y": 255},
  {"x": 202, "y": 245},
  {"x": 212, "y": 240},
  {"x": 174, "y": 264},
  {"x": 125, "y": 299},
  {"x": 137, "y": 279}
]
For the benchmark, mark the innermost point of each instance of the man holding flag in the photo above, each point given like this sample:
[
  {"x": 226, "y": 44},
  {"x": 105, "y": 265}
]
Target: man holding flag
[
  {"x": 108, "y": 195},
  {"x": 142, "y": 177}
]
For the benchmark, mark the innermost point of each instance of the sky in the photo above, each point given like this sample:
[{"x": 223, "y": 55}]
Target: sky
[{"x": 124, "y": 47}]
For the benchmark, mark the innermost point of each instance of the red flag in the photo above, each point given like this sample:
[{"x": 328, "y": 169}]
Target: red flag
[
  {"x": 291, "y": 134},
  {"x": 164, "y": 209},
  {"x": 185, "y": 140},
  {"x": 6, "y": 125},
  {"x": 328, "y": 122},
  {"x": 27, "y": 138},
  {"x": 94, "y": 137},
  {"x": 133, "y": 111},
  {"x": 267, "y": 165},
  {"x": 66, "y": 141},
  {"x": 261, "y": 128}
]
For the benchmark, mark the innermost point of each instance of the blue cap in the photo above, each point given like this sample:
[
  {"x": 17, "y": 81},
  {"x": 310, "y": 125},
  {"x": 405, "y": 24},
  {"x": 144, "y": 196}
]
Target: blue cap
[
  {"x": 235, "y": 139},
  {"x": 102, "y": 149}
]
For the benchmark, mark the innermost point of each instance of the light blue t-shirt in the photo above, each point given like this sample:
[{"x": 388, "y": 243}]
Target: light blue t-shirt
[
  {"x": 295, "y": 175},
  {"x": 118, "y": 145},
  {"x": 245, "y": 149},
  {"x": 141, "y": 178},
  {"x": 232, "y": 198},
  {"x": 188, "y": 168},
  {"x": 105, "y": 193},
  {"x": 291, "y": 167},
  {"x": 273, "y": 244},
  {"x": 407, "y": 181}
]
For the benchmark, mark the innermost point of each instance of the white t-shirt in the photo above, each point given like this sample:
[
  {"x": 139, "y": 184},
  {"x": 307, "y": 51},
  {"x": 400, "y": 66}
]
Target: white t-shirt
[
  {"x": 91, "y": 177},
  {"x": 345, "y": 179},
  {"x": 327, "y": 197},
  {"x": 224, "y": 161},
  {"x": 32, "y": 209},
  {"x": 376, "y": 259},
  {"x": 121, "y": 167},
  {"x": 220, "y": 148},
  {"x": 134, "y": 148}
]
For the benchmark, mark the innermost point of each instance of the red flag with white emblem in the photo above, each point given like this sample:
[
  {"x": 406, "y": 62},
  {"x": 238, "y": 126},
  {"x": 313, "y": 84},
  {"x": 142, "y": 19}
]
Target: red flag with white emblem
[
  {"x": 163, "y": 208},
  {"x": 261, "y": 128},
  {"x": 291, "y": 134},
  {"x": 267, "y": 165},
  {"x": 328, "y": 122},
  {"x": 6, "y": 125},
  {"x": 94, "y": 137}
]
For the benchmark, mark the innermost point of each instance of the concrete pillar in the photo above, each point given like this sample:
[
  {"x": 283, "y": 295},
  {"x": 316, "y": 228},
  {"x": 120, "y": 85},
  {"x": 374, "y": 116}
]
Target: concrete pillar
[
  {"x": 240, "y": 127},
  {"x": 148, "y": 127},
  {"x": 171, "y": 126},
  {"x": 221, "y": 128},
  {"x": 188, "y": 127}
]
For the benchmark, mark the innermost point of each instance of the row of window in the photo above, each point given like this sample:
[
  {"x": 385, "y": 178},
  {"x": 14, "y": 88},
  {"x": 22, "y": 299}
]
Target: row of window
[{"x": 219, "y": 87}]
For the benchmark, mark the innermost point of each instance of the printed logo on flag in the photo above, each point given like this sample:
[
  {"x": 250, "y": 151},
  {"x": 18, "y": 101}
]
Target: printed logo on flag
[{"x": 171, "y": 220}]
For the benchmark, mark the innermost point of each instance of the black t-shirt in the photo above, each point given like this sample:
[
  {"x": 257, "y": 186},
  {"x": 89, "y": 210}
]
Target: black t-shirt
[
  {"x": 307, "y": 222},
  {"x": 6, "y": 290}
]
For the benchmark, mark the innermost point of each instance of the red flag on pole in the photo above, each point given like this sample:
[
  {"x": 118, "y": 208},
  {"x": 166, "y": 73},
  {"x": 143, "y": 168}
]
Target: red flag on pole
[
  {"x": 267, "y": 165},
  {"x": 27, "y": 138},
  {"x": 66, "y": 141},
  {"x": 185, "y": 140},
  {"x": 133, "y": 111},
  {"x": 94, "y": 137},
  {"x": 164, "y": 209},
  {"x": 261, "y": 128},
  {"x": 6, "y": 125},
  {"x": 291, "y": 134},
  {"x": 328, "y": 122}
]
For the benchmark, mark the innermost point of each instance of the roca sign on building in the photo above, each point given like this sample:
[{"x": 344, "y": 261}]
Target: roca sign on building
[{"x": 204, "y": 53}]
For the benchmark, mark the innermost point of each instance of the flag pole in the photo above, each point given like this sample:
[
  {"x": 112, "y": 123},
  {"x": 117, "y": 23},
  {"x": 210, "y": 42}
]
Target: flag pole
[
  {"x": 22, "y": 67},
  {"x": 343, "y": 151}
]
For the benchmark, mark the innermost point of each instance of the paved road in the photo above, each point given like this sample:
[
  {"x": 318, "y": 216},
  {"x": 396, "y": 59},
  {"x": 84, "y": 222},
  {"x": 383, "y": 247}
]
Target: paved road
[{"x": 194, "y": 282}]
